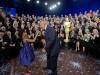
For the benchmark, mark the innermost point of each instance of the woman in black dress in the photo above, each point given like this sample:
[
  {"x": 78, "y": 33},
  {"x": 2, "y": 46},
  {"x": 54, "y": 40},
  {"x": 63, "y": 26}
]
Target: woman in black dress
[
  {"x": 86, "y": 39},
  {"x": 79, "y": 36}
]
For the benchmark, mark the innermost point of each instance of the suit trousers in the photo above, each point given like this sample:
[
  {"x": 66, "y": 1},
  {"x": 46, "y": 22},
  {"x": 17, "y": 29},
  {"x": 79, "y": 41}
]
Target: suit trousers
[{"x": 52, "y": 63}]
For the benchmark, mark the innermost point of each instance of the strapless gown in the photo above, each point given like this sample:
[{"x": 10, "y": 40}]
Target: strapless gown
[{"x": 26, "y": 55}]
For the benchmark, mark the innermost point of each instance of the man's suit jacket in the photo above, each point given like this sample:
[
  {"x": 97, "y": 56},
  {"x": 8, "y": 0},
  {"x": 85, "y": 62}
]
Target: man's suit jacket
[{"x": 52, "y": 41}]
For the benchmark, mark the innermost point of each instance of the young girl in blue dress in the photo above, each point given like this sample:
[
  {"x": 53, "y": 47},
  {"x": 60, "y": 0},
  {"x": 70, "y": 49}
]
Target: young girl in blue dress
[{"x": 26, "y": 55}]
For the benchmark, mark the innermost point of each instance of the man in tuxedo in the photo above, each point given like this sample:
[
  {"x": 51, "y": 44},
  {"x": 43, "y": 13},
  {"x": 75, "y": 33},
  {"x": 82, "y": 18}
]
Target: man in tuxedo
[{"x": 52, "y": 47}]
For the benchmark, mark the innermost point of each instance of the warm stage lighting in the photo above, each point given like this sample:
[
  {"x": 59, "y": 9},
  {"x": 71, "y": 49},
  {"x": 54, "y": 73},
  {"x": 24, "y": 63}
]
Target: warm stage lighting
[
  {"x": 37, "y": 1},
  {"x": 46, "y": 3},
  {"x": 28, "y": 0},
  {"x": 58, "y": 3}
]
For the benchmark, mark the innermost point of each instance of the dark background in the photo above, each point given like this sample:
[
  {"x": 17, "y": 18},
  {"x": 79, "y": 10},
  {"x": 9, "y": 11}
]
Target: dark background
[{"x": 66, "y": 7}]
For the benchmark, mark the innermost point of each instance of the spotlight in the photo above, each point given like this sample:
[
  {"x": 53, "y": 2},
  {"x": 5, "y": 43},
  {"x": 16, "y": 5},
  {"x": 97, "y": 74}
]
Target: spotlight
[
  {"x": 55, "y": 6},
  {"x": 37, "y": 1},
  {"x": 28, "y": 0},
  {"x": 45, "y": 3},
  {"x": 58, "y": 3},
  {"x": 50, "y": 8}
]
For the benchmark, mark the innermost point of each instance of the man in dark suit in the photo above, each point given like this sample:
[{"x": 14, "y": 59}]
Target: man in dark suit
[{"x": 52, "y": 47}]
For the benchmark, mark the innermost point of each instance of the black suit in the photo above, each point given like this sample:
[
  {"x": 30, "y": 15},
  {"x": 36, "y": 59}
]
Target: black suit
[{"x": 52, "y": 48}]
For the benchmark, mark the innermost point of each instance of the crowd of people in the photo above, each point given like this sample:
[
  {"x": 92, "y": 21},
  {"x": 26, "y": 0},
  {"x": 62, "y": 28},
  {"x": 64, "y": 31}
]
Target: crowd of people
[
  {"x": 21, "y": 35},
  {"x": 84, "y": 31}
]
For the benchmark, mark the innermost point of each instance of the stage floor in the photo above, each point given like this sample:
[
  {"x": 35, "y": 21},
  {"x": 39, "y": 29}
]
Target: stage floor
[{"x": 69, "y": 63}]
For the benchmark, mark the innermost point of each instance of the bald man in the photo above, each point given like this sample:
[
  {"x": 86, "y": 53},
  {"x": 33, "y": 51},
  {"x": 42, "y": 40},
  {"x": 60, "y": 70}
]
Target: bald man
[{"x": 52, "y": 47}]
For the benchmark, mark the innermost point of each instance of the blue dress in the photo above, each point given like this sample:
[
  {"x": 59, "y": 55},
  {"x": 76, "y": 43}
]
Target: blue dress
[{"x": 26, "y": 56}]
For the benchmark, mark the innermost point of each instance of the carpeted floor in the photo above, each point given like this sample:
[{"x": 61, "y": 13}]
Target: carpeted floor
[{"x": 69, "y": 63}]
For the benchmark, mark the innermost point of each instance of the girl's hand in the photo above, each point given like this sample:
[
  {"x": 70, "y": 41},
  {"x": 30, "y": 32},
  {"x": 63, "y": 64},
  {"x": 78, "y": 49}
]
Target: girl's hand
[
  {"x": 25, "y": 40},
  {"x": 43, "y": 50}
]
